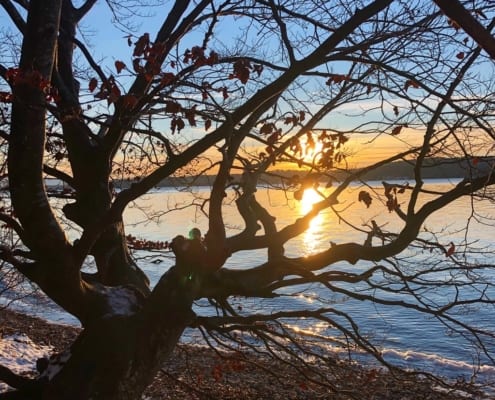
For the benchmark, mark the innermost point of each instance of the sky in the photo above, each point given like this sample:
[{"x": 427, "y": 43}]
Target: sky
[
  {"x": 362, "y": 150},
  {"x": 109, "y": 44}
]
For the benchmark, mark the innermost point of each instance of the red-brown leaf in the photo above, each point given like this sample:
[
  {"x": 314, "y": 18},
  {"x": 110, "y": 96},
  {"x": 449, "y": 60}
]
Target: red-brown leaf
[
  {"x": 167, "y": 78},
  {"x": 225, "y": 93},
  {"x": 450, "y": 250},
  {"x": 217, "y": 372},
  {"x": 191, "y": 115},
  {"x": 411, "y": 83},
  {"x": 177, "y": 123},
  {"x": 337, "y": 78},
  {"x": 180, "y": 124},
  {"x": 267, "y": 128},
  {"x": 298, "y": 194},
  {"x": 242, "y": 70},
  {"x": 365, "y": 197},
  {"x": 119, "y": 66},
  {"x": 396, "y": 130},
  {"x": 290, "y": 120},
  {"x": 92, "y": 84},
  {"x": 141, "y": 45},
  {"x": 172, "y": 107},
  {"x": 272, "y": 139},
  {"x": 114, "y": 94},
  {"x": 212, "y": 59}
]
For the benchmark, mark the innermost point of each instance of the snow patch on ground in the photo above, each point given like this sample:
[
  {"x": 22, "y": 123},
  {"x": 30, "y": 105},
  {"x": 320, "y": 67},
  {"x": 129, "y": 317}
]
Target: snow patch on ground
[
  {"x": 55, "y": 364},
  {"x": 19, "y": 353},
  {"x": 121, "y": 300}
]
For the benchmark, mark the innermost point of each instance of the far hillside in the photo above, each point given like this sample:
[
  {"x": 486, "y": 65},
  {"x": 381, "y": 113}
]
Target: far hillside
[{"x": 437, "y": 168}]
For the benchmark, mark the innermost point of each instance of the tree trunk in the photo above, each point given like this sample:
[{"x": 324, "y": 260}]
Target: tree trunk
[
  {"x": 118, "y": 356},
  {"x": 93, "y": 199}
]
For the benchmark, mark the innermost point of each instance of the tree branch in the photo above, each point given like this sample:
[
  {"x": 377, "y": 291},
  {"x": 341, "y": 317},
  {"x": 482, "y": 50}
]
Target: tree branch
[
  {"x": 84, "y": 9},
  {"x": 14, "y": 15},
  {"x": 14, "y": 380},
  {"x": 454, "y": 10},
  {"x": 168, "y": 35},
  {"x": 256, "y": 281},
  {"x": 11, "y": 222},
  {"x": 430, "y": 128},
  {"x": 56, "y": 173},
  {"x": 283, "y": 32}
]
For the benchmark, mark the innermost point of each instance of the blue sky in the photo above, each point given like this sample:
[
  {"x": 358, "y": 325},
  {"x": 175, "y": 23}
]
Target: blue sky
[{"x": 108, "y": 44}]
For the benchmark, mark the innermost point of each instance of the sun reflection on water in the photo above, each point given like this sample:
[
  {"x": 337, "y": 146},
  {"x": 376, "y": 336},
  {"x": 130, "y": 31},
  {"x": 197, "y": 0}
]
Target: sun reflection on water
[
  {"x": 317, "y": 329},
  {"x": 312, "y": 236}
]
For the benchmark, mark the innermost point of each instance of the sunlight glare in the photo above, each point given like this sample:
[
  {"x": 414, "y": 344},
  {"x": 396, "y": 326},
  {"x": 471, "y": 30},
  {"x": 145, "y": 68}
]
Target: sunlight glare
[
  {"x": 310, "y": 152},
  {"x": 309, "y": 198}
]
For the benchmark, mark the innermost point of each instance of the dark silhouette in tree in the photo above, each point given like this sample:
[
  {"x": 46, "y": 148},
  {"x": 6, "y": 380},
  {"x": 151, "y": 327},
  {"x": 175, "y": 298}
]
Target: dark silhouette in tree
[{"x": 320, "y": 56}]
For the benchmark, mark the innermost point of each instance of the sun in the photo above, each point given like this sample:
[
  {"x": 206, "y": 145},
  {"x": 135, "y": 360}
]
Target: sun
[
  {"x": 310, "y": 150},
  {"x": 309, "y": 198}
]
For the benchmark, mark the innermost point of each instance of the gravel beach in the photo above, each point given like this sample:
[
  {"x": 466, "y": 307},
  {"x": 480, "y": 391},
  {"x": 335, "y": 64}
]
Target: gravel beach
[{"x": 202, "y": 373}]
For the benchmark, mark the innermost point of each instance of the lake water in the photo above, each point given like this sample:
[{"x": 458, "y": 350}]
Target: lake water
[{"x": 405, "y": 336}]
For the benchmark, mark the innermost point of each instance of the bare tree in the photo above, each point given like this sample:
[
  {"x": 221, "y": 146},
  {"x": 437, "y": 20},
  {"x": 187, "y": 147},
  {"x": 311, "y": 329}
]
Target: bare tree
[{"x": 267, "y": 92}]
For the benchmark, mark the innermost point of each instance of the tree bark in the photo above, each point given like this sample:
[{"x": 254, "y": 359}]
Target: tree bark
[{"x": 118, "y": 356}]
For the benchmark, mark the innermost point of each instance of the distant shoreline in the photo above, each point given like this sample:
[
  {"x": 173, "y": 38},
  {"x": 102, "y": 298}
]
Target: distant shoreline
[{"x": 398, "y": 170}]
